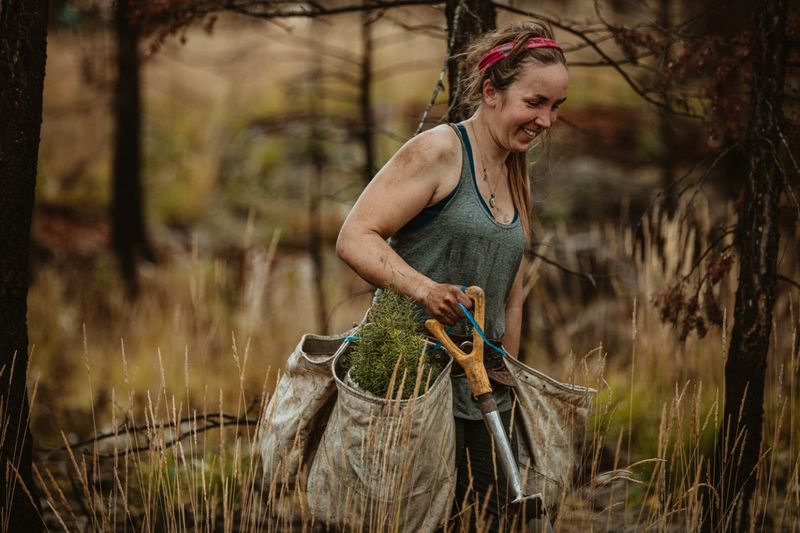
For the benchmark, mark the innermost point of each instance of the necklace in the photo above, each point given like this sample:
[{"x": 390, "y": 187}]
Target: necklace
[{"x": 492, "y": 198}]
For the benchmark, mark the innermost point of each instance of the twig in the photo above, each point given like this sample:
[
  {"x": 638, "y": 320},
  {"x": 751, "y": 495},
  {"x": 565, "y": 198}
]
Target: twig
[
  {"x": 698, "y": 185},
  {"x": 708, "y": 250},
  {"x": 431, "y": 30},
  {"x": 561, "y": 267},
  {"x": 253, "y": 8},
  {"x": 626, "y": 61},
  {"x": 224, "y": 419},
  {"x": 440, "y": 82}
]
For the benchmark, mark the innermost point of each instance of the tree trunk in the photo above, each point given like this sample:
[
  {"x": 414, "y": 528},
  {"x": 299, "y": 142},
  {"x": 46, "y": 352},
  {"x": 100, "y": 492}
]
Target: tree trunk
[
  {"x": 127, "y": 217},
  {"x": 23, "y": 49},
  {"x": 365, "y": 97},
  {"x": 464, "y": 23},
  {"x": 739, "y": 443}
]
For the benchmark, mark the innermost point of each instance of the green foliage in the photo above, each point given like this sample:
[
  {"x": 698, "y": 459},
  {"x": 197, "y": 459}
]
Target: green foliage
[{"x": 390, "y": 340}]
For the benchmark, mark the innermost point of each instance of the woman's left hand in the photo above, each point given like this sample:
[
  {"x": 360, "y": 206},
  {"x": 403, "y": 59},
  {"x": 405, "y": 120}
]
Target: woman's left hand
[{"x": 442, "y": 299}]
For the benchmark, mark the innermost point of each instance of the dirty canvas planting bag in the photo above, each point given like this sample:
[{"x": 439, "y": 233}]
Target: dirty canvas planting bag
[
  {"x": 298, "y": 410},
  {"x": 553, "y": 418},
  {"x": 385, "y": 464}
]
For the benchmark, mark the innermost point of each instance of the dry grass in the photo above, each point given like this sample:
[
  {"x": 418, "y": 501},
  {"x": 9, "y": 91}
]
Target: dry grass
[{"x": 657, "y": 415}]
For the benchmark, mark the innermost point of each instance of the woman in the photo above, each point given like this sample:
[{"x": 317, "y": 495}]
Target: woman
[{"x": 454, "y": 204}]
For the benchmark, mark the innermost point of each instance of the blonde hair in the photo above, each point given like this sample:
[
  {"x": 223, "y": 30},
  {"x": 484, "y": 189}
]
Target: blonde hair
[{"x": 502, "y": 74}]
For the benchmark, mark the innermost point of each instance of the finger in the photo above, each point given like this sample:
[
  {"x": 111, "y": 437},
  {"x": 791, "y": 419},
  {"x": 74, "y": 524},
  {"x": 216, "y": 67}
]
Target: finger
[
  {"x": 459, "y": 307},
  {"x": 455, "y": 314},
  {"x": 447, "y": 320},
  {"x": 461, "y": 297},
  {"x": 444, "y": 317}
]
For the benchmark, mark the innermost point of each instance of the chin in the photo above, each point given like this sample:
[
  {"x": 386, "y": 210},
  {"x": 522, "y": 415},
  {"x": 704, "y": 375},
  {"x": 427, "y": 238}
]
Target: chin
[{"x": 519, "y": 145}]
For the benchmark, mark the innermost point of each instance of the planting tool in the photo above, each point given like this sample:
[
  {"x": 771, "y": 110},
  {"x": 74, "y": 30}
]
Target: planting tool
[{"x": 478, "y": 379}]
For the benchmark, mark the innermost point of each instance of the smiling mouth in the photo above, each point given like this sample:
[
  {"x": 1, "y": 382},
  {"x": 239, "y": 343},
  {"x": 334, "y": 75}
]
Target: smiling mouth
[{"x": 529, "y": 131}]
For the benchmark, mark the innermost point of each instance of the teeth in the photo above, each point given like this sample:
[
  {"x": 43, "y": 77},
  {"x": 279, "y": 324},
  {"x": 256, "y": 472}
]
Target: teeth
[{"x": 529, "y": 131}]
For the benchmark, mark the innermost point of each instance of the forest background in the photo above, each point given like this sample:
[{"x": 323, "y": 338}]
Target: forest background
[{"x": 256, "y": 138}]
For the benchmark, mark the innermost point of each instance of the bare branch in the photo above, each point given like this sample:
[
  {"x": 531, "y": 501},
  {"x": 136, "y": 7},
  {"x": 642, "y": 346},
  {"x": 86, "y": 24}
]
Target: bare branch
[
  {"x": 708, "y": 250},
  {"x": 626, "y": 61},
  {"x": 698, "y": 184},
  {"x": 440, "y": 82},
  {"x": 562, "y": 268},
  {"x": 609, "y": 61},
  {"x": 390, "y": 134},
  {"x": 430, "y": 30},
  {"x": 260, "y": 9},
  {"x": 208, "y": 421}
]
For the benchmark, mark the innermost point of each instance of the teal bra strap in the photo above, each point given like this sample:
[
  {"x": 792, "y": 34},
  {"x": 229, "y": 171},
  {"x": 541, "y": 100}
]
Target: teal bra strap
[{"x": 465, "y": 140}]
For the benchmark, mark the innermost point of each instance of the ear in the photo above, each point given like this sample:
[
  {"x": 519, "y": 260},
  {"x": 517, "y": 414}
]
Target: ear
[{"x": 491, "y": 96}]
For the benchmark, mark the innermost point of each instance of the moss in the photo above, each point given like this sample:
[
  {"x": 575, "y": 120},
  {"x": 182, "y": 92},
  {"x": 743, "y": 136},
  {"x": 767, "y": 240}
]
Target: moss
[{"x": 389, "y": 340}]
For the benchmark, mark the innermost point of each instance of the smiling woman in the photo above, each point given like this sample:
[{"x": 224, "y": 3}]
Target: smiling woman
[{"x": 452, "y": 208}]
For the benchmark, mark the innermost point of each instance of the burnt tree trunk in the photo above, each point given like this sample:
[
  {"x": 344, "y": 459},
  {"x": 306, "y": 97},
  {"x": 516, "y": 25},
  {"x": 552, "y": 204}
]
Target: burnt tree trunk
[
  {"x": 464, "y": 23},
  {"x": 739, "y": 443},
  {"x": 365, "y": 97},
  {"x": 23, "y": 50},
  {"x": 129, "y": 236}
]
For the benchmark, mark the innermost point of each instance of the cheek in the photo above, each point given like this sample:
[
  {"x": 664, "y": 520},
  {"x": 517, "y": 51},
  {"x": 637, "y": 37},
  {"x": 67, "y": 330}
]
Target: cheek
[{"x": 529, "y": 115}]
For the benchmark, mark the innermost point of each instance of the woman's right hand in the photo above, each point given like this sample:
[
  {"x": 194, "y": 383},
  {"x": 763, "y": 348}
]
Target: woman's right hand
[{"x": 442, "y": 299}]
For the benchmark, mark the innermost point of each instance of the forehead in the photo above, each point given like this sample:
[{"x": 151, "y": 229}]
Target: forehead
[{"x": 542, "y": 80}]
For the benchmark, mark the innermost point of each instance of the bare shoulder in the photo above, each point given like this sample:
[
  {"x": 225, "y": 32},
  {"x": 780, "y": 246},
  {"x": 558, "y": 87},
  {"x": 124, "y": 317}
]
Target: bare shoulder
[
  {"x": 442, "y": 137},
  {"x": 431, "y": 150},
  {"x": 419, "y": 174}
]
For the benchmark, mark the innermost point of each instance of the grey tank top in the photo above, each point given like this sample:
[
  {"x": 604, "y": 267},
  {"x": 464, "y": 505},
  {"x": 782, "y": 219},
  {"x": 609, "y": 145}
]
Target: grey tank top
[{"x": 463, "y": 244}]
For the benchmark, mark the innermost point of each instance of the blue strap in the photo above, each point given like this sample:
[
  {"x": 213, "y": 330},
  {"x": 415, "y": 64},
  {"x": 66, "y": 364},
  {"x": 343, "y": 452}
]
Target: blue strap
[
  {"x": 434, "y": 347},
  {"x": 477, "y": 328},
  {"x": 439, "y": 344},
  {"x": 351, "y": 338}
]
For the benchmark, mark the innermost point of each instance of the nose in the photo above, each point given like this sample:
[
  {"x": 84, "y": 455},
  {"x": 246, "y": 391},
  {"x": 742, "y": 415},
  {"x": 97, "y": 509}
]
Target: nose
[{"x": 545, "y": 120}]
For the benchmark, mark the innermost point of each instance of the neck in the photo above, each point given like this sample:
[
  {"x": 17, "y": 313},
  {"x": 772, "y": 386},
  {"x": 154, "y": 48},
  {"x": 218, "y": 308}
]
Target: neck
[{"x": 494, "y": 152}]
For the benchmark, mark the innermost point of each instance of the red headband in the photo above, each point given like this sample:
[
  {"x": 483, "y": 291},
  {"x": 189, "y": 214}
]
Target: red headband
[{"x": 500, "y": 52}]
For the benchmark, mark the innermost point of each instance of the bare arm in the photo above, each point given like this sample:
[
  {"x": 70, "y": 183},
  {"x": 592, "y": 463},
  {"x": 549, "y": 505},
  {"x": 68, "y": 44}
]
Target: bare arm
[
  {"x": 423, "y": 171},
  {"x": 514, "y": 314}
]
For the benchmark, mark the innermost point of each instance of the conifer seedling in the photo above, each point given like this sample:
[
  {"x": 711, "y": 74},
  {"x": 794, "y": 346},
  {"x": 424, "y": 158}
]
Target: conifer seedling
[{"x": 390, "y": 342}]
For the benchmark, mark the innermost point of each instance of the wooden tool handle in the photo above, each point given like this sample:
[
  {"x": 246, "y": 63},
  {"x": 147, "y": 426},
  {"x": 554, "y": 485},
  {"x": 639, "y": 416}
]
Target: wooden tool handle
[{"x": 472, "y": 362}]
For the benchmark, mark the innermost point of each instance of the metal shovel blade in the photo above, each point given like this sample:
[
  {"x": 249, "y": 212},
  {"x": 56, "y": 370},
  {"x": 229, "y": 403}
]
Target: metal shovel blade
[
  {"x": 532, "y": 504},
  {"x": 528, "y": 507}
]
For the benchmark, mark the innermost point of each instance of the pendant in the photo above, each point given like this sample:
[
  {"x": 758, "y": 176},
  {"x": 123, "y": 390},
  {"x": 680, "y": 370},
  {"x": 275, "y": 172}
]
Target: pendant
[{"x": 492, "y": 201}]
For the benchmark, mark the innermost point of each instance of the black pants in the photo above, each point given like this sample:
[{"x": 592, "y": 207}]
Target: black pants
[{"x": 474, "y": 456}]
